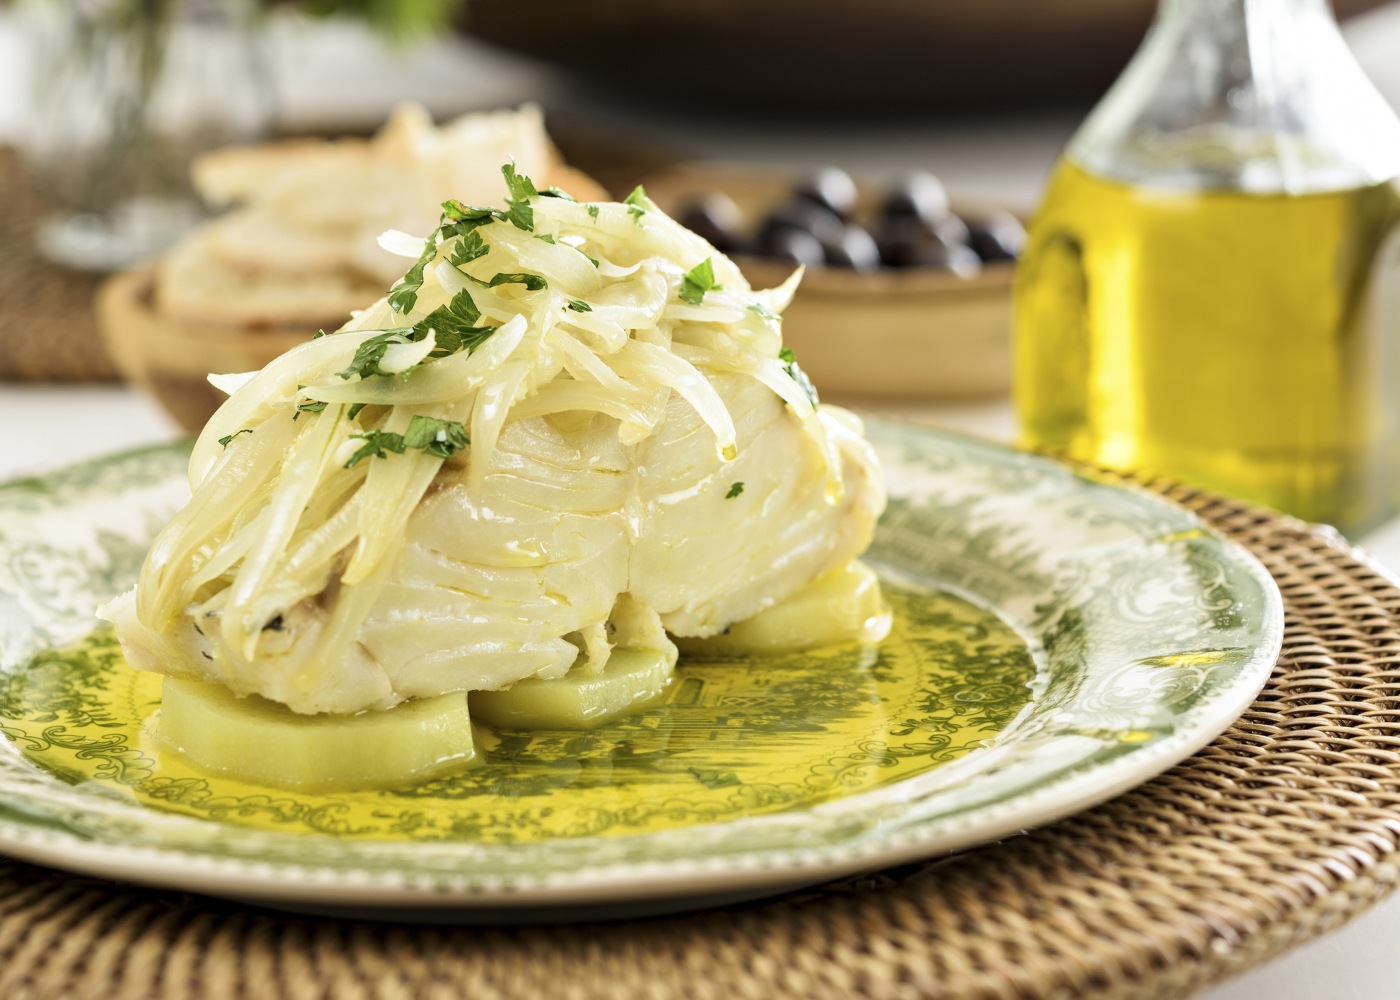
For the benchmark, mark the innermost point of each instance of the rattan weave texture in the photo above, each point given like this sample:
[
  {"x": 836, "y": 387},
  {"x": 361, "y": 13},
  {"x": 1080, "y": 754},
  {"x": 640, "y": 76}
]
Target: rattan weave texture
[
  {"x": 1282, "y": 829},
  {"x": 47, "y": 327}
]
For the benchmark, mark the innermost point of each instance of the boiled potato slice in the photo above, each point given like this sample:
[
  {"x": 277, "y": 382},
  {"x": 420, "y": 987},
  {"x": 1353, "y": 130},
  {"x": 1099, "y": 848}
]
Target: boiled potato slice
[
  {"x": 842, "y": 606},
  {"x": 631, "y": 679},
  {"x": 261, "y": 741}
]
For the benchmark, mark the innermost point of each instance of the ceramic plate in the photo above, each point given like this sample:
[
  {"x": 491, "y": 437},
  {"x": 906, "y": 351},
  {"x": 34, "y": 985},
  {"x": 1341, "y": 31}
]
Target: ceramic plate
[{"x": 1058, "y": 641}]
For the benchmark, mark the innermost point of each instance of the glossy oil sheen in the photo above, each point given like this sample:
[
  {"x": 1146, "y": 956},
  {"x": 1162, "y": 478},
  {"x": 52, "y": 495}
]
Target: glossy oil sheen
[
  {"x": 732, "y": 738},
  {"x": 1243, "y": 342}
]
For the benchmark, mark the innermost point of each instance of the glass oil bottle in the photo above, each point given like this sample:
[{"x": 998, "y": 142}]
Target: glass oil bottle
[{"x": 1211, "y": 289}]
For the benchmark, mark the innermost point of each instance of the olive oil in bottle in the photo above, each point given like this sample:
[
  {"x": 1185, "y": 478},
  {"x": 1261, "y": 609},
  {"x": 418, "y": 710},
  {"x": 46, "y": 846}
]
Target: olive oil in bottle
[
  {"x": 1247, "y": 342},
  {"x": 1211, "y": 288}
]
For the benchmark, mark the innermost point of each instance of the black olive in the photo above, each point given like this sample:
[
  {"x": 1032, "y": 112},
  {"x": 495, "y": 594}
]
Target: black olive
[
  {"x": 798, "y": 246},
  {"x": 919, "y": 195},
  {"x": 997, "y": 236},
  {"x": 822, "y": 223},
  {"x": 952, "y": 230},
  {"x": 855, "y": 249},
  {"x": 717, "y": 219},
  {"x": 896, "y": 236},
  {"x": 957, "y": 258},
  {"x": 831, "y": 189}
]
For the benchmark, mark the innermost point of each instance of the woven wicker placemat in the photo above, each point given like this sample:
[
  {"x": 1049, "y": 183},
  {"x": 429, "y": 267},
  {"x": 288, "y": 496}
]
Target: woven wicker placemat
[
  {"x": 48, "y": 331},
  {"x": 1283, "y": 828}
]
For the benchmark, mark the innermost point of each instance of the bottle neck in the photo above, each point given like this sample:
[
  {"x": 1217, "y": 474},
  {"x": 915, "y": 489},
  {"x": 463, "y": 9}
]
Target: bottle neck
[{"x": 1258, "y": 95}]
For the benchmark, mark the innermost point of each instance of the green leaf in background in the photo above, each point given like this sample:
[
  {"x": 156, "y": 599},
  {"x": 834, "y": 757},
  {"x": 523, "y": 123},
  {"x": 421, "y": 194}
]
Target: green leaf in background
[{"x": 397, "y": 20}]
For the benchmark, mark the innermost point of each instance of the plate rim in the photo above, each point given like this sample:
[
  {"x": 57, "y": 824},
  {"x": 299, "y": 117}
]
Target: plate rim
[{"x": 181, "y": 868}]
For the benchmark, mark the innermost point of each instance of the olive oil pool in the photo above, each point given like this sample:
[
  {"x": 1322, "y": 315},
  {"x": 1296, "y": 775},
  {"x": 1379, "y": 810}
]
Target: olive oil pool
[{"x": 1245, "y": 342}]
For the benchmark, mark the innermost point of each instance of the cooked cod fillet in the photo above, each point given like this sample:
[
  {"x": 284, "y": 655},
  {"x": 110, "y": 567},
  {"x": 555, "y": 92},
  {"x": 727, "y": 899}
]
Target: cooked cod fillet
[{"x": 579, "y": 432}]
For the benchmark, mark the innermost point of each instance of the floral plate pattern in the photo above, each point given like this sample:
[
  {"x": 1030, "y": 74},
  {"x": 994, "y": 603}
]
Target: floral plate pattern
[{"x": 1149, "y": 634}]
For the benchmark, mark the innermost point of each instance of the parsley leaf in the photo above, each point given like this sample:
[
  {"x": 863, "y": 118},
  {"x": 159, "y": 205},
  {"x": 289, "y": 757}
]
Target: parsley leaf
[
  {"x": 637, "y": 203},
  {"x": 404, "y": 295},
  {"x": 796, "y": 373},
  {"x": 229, "y": 437},
  {"x": 456, "y": 220},
  {"x": 439, "y": 438},
  {"x": 354, "y": 410},
  {"x": 698, "y": 280},
  {"x": 454, "y": 211},
  {"x": 533, "y": 282},
  {"x": 318, "y": 335},
  {"x": 377, "y": 445},
  {"x": 734, "y": 490},
  {"x": 547, "y": 237},
  {"x": 593, "y": 212},
  {"x": 454, "y": 326},
  {"x": 522, "y": 189},
  {"x": 554, "y": 192},
  {"x": 309, "y": 406},
  {"x": 580, "y": 306},
  {"x": 371, "y": 351},
  {"x": 467, "y": 249}
]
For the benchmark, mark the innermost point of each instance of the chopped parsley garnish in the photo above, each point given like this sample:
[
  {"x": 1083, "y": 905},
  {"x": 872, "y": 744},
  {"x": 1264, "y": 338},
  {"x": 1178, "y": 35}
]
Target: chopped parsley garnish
[
  {"x": 554, "y": 192},
  {"x": 522, "y": 189},
  {"x": 457, "y": 220},
  {"x": 763, "y": 312},
  {"x": 580, "y": 306},
  {"x": 636, "y": 203},
  {"x": 698, "y": 280},
  {"x": 365, "y": 363},
  {"x": 796, "y": 373},
  {"x": 467, "y": 249},
  {"x": 454, "y": 211},
  {"x": 547, "y": 237},
  {"x": 229, "y": 437},
  {"x": 533, "y": 282},
  {"x": 404, "y": 295},
  {"x": 453, "y": 326},
  {"x": 318, "y": 335},
  {"x": 593, "y": 212},
  {"x": 734, "y": 490},
  {"x": 309, "y": 406},
  {"x": 377, "y": 445},
  {"x": 354, "y": 410},
  {"x": 439, "y": 438}
]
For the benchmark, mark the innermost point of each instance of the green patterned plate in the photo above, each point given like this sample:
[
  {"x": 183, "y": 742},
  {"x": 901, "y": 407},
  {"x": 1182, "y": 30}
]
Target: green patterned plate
[{"x": 1058, "y": 640}]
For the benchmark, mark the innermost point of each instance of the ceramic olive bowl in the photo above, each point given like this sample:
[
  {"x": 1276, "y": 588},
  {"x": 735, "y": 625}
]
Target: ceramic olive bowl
[{"x": 911, "y": 332}]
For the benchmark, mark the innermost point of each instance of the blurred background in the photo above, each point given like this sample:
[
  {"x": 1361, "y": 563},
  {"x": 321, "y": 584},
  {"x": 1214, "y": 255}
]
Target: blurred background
[{"x": 982, "y": 95}]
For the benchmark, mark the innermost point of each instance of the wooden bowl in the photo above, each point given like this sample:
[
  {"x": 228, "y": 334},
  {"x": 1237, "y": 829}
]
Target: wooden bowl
[
  {"x": 171, "y": 360},
  {"x": 895, "y": 333},
  {"x": 910, "y": 332}
]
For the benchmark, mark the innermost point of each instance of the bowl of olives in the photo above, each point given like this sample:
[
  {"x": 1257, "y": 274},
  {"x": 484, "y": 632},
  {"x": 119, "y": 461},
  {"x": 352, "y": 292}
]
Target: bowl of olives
[{"x": 906, "y": 293}]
